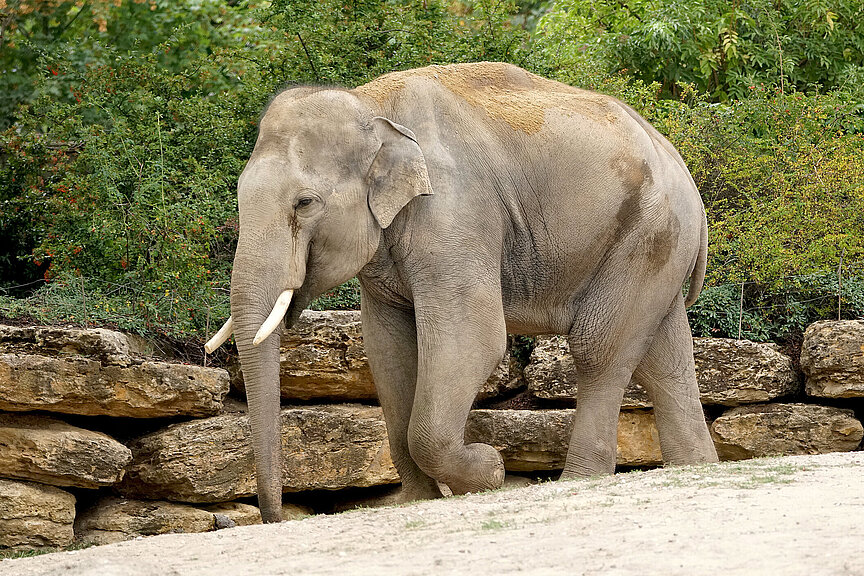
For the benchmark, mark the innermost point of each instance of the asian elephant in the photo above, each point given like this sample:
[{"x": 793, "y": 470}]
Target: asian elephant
[{"x": 471, "y": 200}]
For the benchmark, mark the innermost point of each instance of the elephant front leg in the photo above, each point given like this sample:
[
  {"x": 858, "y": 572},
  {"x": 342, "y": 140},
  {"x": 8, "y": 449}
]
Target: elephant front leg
[
  {"x": 459, "y": 345},
  {"x": 390, "y": 341}
]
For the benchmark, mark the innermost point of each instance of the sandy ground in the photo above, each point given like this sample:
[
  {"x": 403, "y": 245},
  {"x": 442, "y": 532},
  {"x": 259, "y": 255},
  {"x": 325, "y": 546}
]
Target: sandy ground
[{"x": 778, "y": 516}]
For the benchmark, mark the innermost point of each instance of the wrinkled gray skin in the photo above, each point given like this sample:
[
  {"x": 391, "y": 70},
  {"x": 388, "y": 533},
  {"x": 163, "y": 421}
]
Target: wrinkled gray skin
[{"x": 473, "y": 200}]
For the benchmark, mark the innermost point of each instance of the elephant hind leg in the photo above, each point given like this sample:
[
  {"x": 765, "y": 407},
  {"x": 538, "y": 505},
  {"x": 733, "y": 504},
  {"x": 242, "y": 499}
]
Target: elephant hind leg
[
  {"x": 613, "y": 329},
  {"x": 605, "y": 354},
  {"x": 668, "y": 373}
]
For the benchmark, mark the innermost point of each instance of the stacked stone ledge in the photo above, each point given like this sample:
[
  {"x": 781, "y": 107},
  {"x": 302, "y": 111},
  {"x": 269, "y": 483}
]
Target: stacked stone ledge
[
  {"x": 77, "y": 373},
  {"x": 187, "y": 475},
  {"x": 832, "y": 359}
]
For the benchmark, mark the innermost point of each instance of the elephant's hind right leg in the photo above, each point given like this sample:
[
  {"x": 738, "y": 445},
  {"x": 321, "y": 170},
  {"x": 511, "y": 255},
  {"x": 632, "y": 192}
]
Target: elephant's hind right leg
[
  {"x": 612, "y": 331},
  {"x": 668, "y": 374}
]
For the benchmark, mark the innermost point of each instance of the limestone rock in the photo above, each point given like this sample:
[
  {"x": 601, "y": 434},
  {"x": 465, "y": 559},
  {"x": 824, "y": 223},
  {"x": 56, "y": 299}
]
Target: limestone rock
[
  {"x": 108, "y": 346},
  {"x": 729, "y": 373},
  {"x": 784, "y": 429},
  {"x": 115, "y": 519},
  {"x": 527, "y": 439},
  {"x": 532, "y": 440},
  {"x": 237, "y": 513},
  {"x": 506, "y": 380},
  {"x": 82, "y": 386},
  {"x": 47, "y": 450},
  {"x": 246, "y": 514},
  {"x": 549, "y": 374},
  {"x": 322, "y": 358},
  {"x": 323, "y": 447},
  {"x": 734, "y": 372},
  {"x": 35, "y": 516},
  {"x": 638, "y": 439},
  {"x": 832, "y": 358}
]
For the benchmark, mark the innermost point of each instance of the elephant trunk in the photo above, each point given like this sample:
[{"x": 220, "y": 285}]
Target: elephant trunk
[{"x": 260, "y": 363}]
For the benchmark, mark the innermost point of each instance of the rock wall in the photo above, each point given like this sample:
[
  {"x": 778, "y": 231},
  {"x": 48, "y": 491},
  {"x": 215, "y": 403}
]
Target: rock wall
[{"x": 102, "y": 441}]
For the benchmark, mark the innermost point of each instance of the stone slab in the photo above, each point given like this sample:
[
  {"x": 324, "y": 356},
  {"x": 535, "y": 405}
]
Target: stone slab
[
  {"x": 107, "y": 346},
  {"x": 785, "y": 429},
  {"x": 210, "y": 460},
  {"x": 114, "y": 519},
  {"x": 729, "y": 373},
  {"x": 35, "y": 516},
  {"x": 534, "y": 440},
  {"x": 832, "y": 358},
  {"x": 82, "y": 386},
  {"x": 50, "y": 451}
]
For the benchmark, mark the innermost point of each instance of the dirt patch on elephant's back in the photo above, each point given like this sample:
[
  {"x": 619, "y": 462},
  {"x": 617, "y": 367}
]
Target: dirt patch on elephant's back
[
  {"x": 381, "y": 89},
  {"x": 795, "y": 515},
  {"x": 505, "y": 92}
]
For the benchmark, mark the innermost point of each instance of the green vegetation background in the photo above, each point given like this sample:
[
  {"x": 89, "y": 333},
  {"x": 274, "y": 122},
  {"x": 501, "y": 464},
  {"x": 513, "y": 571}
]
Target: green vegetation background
[{"x": 125, "y": 123}]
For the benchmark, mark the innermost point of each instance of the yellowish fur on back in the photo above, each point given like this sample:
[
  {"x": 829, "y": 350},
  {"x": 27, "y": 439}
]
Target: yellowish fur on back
[{"x": 503, "y": 91}]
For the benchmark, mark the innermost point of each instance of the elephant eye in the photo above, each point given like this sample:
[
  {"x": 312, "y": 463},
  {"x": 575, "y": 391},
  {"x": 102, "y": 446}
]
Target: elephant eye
[{"x": 303, "y": 202}]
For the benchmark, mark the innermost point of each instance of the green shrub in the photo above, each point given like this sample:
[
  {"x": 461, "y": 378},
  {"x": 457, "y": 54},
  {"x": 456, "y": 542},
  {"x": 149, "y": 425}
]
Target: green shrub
[
  {"x": 350, "y": 43},
  {"x": 133, "y": 184},
  {"x": 722, "y": 47},
  {"x": 782, "y": 177},
  {"x": 344, "y": 297},
  {"x": 778, "y": 313}
]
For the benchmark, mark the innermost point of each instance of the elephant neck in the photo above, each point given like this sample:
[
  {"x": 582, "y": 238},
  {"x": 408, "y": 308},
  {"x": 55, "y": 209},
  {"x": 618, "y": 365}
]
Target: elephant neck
[{"x": 382, "y": 277}]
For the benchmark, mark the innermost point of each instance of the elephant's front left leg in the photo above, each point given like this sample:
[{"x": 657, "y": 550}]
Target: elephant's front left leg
[
  {"x": 389, "y": 336},
  {"x": 460, "y": 342}
]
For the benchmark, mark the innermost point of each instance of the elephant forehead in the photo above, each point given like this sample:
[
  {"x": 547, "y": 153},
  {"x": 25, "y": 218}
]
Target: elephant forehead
[
  {"x": 269, "y": 175},
  {"x": 326, "y": 113},
  {"x": 325, "y": 156}
]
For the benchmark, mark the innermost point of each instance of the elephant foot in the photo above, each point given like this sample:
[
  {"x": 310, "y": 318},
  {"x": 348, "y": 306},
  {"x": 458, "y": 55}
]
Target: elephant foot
[
  {"x": 587, "y": 460},
  {"x": 706, "y": 454},
  {"x": 484, "y": 471},
  {"x": 414, "y": 491}
]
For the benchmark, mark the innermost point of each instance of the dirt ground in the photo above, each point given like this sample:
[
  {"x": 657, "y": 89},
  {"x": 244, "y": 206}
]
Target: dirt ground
[{"x": 777, "y": 516}]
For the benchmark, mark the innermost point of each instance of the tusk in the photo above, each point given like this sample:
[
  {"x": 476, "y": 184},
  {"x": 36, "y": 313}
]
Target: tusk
[
  {"x": 275, "y": 317},
  {"x": 220, "y": 337}
]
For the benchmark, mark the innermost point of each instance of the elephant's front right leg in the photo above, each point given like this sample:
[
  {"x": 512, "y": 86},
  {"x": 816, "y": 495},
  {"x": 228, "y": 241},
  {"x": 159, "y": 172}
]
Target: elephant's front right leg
[
  {"x": 389, "y": 338},
  {"x": 460, "y": 343}
]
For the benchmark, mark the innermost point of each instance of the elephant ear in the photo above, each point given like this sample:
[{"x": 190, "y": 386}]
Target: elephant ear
[{"x": 398, "y": 172}]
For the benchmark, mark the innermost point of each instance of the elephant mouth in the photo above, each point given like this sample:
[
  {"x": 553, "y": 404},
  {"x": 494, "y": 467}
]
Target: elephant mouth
[
  {"x": 298, "y": 304},
  {"x": 292, "y": 315}
]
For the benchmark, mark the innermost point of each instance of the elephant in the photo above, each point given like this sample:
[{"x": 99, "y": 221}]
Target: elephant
[{"x": 471, "y": 201}]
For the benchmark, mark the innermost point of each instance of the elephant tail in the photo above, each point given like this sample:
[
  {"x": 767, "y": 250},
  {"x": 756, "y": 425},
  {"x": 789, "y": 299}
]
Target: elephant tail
[{"x": 697, "y": 276}]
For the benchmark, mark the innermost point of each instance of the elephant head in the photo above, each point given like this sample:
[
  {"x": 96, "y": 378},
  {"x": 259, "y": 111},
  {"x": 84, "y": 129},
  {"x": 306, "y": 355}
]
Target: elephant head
[{"x": 325, "y": 178}]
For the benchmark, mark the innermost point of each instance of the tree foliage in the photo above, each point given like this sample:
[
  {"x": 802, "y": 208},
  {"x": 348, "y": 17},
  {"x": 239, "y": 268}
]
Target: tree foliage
[
  {"x": 722, "y": 47},
  {"x": 125, "y": 123},
  {"x": 349, "y": 43}
]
